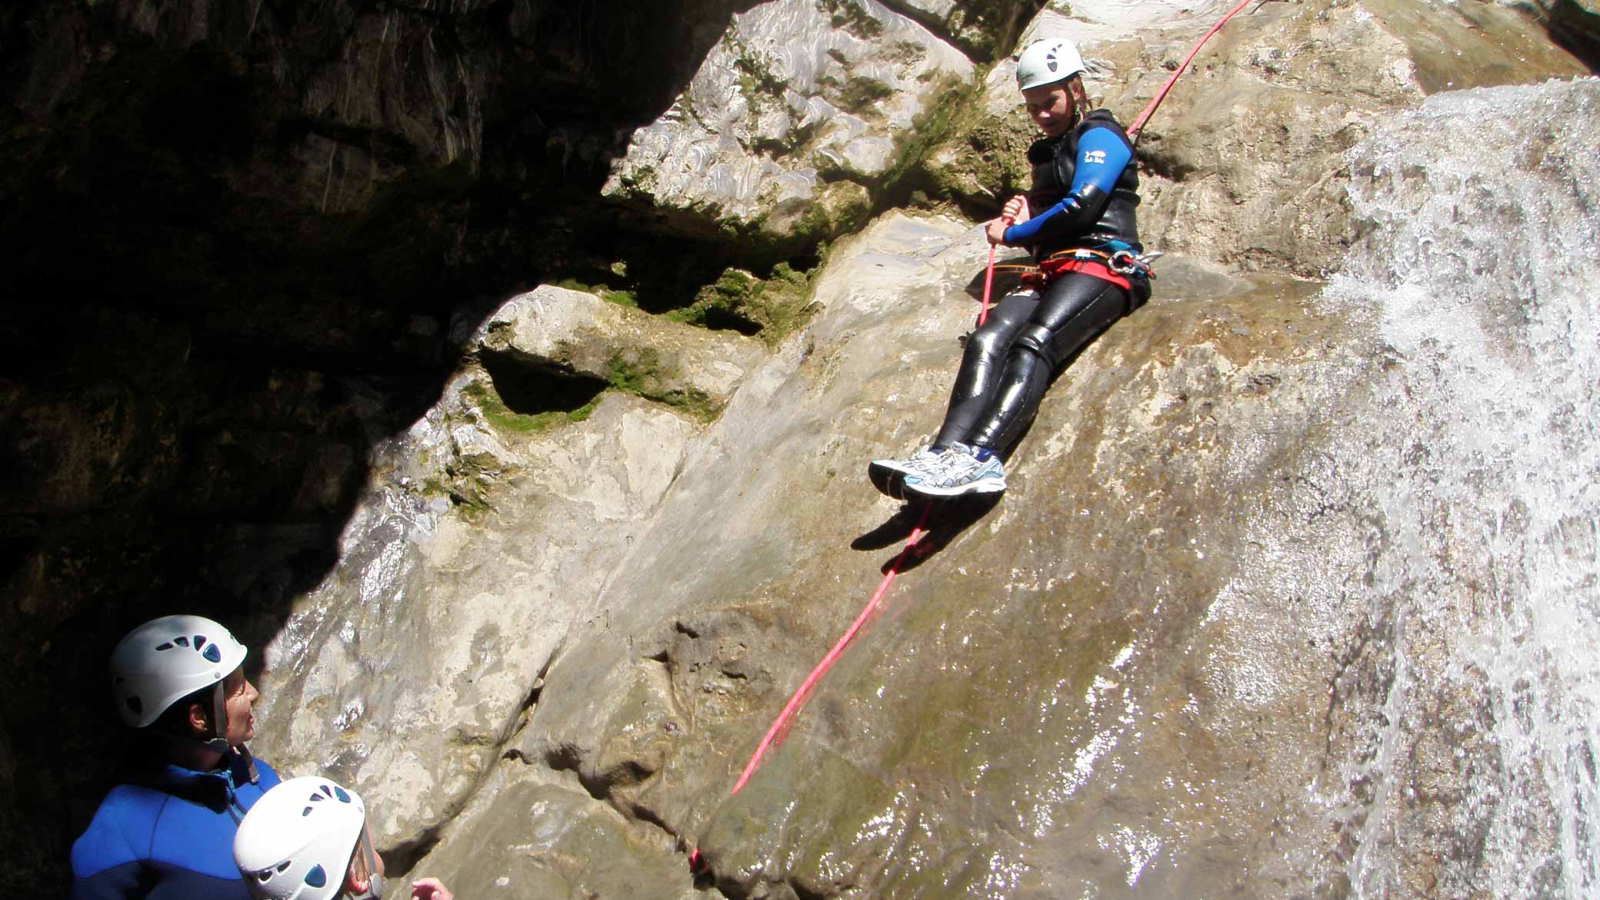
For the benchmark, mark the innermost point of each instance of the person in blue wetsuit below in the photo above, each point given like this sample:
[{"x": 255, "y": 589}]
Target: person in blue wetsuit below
[
  {"x": 1079, "y": 220},
  {"x": 167, "y": 831}
]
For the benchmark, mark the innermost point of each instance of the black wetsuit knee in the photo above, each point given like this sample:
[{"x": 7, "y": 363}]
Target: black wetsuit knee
[
  {"x": 1038, "y": 341},
  {"x": 981, "y": 364}
]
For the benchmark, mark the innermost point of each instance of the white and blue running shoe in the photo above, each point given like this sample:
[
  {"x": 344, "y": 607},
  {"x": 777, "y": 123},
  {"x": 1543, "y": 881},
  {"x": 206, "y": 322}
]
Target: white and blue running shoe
[
  {"x": 959, "y": 471},
  {"x": 888, "y": 475}
]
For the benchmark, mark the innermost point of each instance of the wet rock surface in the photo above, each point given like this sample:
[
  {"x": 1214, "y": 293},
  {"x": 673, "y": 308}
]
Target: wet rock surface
[{"x": 910, "y": 771}]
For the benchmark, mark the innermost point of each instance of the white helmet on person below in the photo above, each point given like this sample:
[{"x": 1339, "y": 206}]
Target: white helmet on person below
[
  {"x": 1047, "y": 62},
  {"x": 299, "y": 839},
  {"x": 167, "y": 659}
]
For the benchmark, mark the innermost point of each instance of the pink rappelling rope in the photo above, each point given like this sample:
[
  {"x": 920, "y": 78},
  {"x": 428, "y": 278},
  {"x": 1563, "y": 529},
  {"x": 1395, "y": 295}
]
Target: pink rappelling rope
[
  {"x": 1133, "y": 130},
  {"x": 780, "y": 725},
  {"x": 988, "y": 285}
]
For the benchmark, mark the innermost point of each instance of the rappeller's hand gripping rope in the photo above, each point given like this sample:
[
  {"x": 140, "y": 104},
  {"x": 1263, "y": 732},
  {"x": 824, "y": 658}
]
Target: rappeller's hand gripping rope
[{"x": 780, "y": 726}]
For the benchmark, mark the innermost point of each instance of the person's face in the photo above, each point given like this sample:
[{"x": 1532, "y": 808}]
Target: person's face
[
  {"x": 239, "y": 695},
  {"x": 364, "y": 863},
  {"x": 1050, "y": 107}
]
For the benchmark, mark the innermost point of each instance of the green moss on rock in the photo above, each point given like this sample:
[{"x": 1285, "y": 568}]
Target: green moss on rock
[
  {"x": 852, "y": 17},
  {"x": 626, "y": 298},
  {"x": 775, "y": 307},
  {"x": 639, "y": 374},
  {"x": 860, "y": 95},
  {"x": 507, "y": 421},
  {"x": 981, "y": 158}
]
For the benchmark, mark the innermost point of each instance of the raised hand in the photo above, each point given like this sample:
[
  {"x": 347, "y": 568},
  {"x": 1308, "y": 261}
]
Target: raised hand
[{"x": 429, "y": 889}]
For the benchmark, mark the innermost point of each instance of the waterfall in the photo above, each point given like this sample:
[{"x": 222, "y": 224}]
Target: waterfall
[{"x": 1479, "y": 266}]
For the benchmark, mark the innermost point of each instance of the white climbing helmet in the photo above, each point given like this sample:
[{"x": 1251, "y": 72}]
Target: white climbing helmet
[
  {"x": 1048, "y": 61},
  {"x": 167, "y": 659},
  {"x": 298, "y": 840}
]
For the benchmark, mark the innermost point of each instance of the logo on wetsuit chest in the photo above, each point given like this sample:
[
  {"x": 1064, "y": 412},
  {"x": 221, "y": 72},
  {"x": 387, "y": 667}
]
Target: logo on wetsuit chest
[{"x": 1096, "y": 157}]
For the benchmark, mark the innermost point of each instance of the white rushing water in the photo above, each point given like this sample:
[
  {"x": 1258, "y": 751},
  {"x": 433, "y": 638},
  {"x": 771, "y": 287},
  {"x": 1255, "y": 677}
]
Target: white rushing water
[{"x": 1482, "y": 272}]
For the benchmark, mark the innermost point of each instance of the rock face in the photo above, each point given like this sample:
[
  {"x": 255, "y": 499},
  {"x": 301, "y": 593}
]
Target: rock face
[
  {"x": 1240, "y": 165},
  {"x": 1291, "y": 595},
  {"x": 1211, "y": 641},
  {"x": 791, "y": 121},
  {"x": 1215, "y": 637},
  {"x": 574, "y": 333}
]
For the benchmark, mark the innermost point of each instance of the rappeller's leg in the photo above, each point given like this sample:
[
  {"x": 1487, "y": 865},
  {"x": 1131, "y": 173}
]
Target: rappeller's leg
[
  {"x": 981, "y": 365},
  {"x": 970, "y": 397},
  {"x": 1075, "y": 309}
]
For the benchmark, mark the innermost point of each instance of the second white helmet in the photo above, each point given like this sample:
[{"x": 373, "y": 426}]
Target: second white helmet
[
  {"x": 297, "y": 841},
  {"x": 1048, "y": 61},
  {"x": 167, "y": 659}
]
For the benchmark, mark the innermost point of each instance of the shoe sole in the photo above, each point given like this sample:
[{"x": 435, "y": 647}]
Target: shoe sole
[
  {"x": 890, "y": 482},
  {"x": 988, "y": 486}
]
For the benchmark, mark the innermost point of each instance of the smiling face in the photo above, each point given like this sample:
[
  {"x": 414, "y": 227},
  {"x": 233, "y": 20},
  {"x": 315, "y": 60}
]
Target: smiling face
[
  {"x": 1056, "y": 108},
  {"x": 1051, "y": 108}
]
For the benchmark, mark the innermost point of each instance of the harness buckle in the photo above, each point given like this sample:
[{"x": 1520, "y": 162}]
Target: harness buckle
[{"x": 1126, "y": 262}]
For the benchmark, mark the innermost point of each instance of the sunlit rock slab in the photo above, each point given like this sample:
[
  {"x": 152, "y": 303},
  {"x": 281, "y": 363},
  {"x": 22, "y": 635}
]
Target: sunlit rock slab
[
  {"x": 471, "y": 554},
  {"x": 799, "y": 108},
  {"x": 709, "y": 630},
  {"x": 571, "y": 331}
]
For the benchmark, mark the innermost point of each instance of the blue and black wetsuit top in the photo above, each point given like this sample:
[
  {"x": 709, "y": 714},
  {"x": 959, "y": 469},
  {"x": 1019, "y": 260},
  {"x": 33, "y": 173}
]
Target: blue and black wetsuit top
[
  {"x": 1085, "y": 191},
  {"x": 168, "y": 833}
]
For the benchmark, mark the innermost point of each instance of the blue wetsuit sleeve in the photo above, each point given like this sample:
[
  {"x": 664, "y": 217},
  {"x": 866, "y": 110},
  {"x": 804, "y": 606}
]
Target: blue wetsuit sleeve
[
  {"x": 1103, "y": 154},
  {"x": 109, "y": 860},
  {"x": 120, "y": 882}
]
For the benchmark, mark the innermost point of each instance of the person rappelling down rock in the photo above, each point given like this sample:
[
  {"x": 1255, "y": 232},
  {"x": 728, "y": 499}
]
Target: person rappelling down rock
[{"x": 1078, "y": 219}]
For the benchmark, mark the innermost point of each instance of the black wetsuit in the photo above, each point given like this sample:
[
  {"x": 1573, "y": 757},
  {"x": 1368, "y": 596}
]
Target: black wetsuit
[{"x": 1084, "y": 195}]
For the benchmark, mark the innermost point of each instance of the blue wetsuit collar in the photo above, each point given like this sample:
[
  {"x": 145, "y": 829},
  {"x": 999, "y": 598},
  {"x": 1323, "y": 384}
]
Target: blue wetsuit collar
[{"x": 213, "y": 789}]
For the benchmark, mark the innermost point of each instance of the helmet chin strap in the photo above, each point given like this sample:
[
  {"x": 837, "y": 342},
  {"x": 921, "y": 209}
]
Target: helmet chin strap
[
  {"x": 369, "y": 859},
  {"x": 219, "y": 722}
]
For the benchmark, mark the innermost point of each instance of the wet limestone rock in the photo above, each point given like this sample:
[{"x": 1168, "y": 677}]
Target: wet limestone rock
[
  {"x": 788, "y": 125},
  {"x": 1240, "y": 162},
  {"x": 1253, "y": 136},
  {"x": 878, "y": 784},
  {"x": 1207, "y": 643}
]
